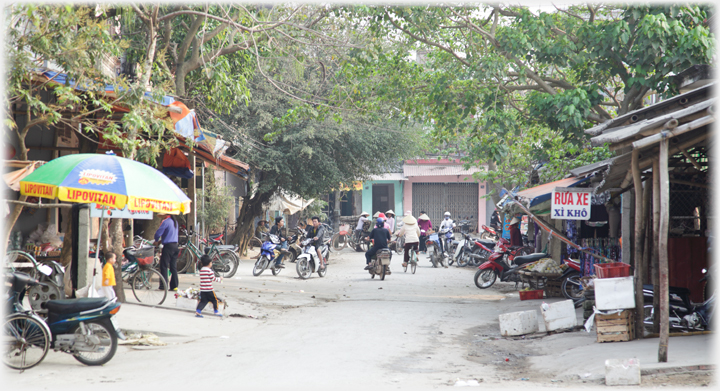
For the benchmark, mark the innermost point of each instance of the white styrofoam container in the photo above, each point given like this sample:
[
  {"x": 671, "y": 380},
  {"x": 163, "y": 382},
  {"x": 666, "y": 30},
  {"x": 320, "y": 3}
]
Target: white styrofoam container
[
  {"x": 518, "y": 323},
  {"x": 560, "y": 315},
  {"x": 184, "y": 302},
  {"x": 614, "y": 293},
  {"x": 622, "y": 372}
]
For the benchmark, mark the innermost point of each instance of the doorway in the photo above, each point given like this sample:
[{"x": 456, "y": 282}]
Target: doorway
[{"x": 383, "y": 198}]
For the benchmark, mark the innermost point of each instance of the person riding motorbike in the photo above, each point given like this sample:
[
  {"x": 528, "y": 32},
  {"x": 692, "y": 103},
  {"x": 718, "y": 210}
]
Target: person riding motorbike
[
  {"x": 317, "y": 233},
  {"x": 380, "y": 236},
  {"x": 449, "y": 224},
  {"x": 360, "y": 224},
  {"x": 495, "y": 221},
  {"x": 277, "y": 230},
  {"x": 425, "y": 226},
  {"x": 411, "y": 232}
]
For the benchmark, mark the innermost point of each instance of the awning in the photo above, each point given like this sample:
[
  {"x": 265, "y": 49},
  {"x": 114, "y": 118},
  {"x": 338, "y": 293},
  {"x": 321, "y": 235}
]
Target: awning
[
  {"x": 288, "y": 204},
  {"x": 437, "y": 170},
  {"x": 26, "y": 167},
  {"x": 391, "y": 176},
  {"x": 540, "y": 194}
]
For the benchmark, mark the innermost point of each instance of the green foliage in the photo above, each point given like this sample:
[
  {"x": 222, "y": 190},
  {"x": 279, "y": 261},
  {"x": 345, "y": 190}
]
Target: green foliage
[
  {"x": 219, "y": 201},
  {"x": 316, "y": 208}
]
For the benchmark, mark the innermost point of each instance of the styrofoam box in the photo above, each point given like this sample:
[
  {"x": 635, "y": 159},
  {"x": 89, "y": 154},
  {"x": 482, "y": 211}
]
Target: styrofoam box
[
  {"x": 560, "y": 315},
  {"x": 518, "y": 323},
  {"x": 622, "y": 372},
  {"x": 184, "y": 302},
  {"x": 614, "y": 293}
]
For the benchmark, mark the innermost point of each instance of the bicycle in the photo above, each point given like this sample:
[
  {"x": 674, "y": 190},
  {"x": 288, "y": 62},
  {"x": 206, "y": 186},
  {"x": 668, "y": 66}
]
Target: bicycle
[
  {"x": 225, "y": 262},
  {"x": 148, "y": 285},
  {"x": 412, "y": 262}
]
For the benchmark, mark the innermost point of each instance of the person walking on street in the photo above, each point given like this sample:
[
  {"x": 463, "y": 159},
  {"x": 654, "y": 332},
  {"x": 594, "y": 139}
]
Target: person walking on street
[
  {"x": 207, "y": 294},
  {"x": 380, "y": 237},
  {"x": 108, "y": 275},
  {"x": 411, "y": 232},
  {"x": 425, "y": 226},
  {"x": 277, "y": 230},
  {"x": 390, "y": 220},
  {"x": 168, "y": 235}
]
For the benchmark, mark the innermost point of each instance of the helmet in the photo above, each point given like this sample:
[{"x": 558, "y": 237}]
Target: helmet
[
  {"x": 447, "y": 214},
  {"x": 380, "y": 221}
]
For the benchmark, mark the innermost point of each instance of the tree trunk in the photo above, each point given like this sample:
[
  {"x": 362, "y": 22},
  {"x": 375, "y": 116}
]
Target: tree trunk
[
  {"x": 251, "y": 208},
  {"x": 116, "y": 237},
  {"x": 494, "y": 186}
]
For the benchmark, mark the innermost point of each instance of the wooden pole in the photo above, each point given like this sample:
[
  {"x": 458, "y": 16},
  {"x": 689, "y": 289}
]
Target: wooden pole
[
  {"x": 655, "y": 244},
  {"x": 648, "y": 239},
  {"x": 663, "y": 251},
  {"x": 192, "y": 216},
  {"x": 638, "y": 243}
]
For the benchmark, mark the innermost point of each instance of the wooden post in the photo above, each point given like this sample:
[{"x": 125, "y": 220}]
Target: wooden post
[
  {"x": 191, "y": 217},
  {"x": 663, "y": 250},
  {"x": 655, "y": 252},
  {"x": 638, "y": 244},
  {"x": 648, "y": 239}
]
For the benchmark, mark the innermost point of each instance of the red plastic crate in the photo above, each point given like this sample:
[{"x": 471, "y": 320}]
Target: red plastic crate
[
  {"x": 612, "y": 270},
  {"x": 531, "y": 295}
]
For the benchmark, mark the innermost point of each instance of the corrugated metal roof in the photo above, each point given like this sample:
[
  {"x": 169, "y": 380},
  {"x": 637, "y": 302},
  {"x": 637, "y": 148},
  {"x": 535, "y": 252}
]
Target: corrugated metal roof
[
  {"x": 391, "y": 176},
  {"x": 615, "y": 173},
  {"x": 616, "y": 135},
  {"x": 691, "y": 95},
  {"x": 584, "y": 170},
  {"x": 542, "y": 193},
  {"x": 412, "y": 170}
]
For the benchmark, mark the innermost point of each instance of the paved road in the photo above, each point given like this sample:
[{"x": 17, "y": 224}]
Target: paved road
[{"x": 346, "y": 330}]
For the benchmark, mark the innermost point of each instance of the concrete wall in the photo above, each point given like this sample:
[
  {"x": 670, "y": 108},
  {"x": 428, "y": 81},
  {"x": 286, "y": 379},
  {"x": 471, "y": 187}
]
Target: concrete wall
[
  {"x": 367, "y": 200},
  {"x": 483, "y": 213}
]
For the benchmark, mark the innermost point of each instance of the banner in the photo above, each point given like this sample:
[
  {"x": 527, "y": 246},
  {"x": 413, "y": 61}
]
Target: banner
[
  {"x": 124, "y": 213},
  {"x": 571, "y": 203}
]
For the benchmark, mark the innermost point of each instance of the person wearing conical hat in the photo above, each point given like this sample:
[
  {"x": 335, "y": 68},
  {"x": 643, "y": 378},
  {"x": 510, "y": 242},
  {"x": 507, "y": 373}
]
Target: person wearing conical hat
[
  {"x": 411, "y": 232},
  {"x": 390, "y": 220},
  {"x": 361, "y": 223},
  {"x": 515, "y": 235},
  {"x": 425, "y": 226}
]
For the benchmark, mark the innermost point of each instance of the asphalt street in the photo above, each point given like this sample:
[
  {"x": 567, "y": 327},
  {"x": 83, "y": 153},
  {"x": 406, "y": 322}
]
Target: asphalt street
[{"x": 425, "y": 330}]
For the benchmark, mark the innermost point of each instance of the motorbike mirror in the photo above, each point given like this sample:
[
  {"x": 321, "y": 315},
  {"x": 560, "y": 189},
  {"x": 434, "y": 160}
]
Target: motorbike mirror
[
  {"x": 45, "y": 269},
  {"x": 704, "y": 271}
]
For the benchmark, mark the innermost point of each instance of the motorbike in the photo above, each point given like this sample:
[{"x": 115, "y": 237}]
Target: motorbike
[
  {"x": 380, "y": 263},
  {"x": 308, "y": 263},
  {"x": 684, "y": 314},
  {"x": 433, "y": 248},
  {"x": 497, "y": 265},
  {"x": 268, "y": 252},
  {"x": 463, "y": 247},
  {"x": 480, "y": 251},
  {"x": 449, "y": 243},
  {"x": 571, "y": 286},
  {"x": 489, "y": 233},
  {"x": 84, "y": 328}
]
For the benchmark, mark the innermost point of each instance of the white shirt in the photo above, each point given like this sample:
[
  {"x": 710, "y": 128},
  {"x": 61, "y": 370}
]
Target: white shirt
[{"x": 447, "y": 223}]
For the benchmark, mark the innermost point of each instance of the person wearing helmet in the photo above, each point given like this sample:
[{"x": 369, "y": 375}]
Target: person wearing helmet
[
  {"x": 425, "y": 226},
  {"x": 449, "y": 224},
  {"x": 380, "y": 237},
  {"x": 278, "y": 231}
]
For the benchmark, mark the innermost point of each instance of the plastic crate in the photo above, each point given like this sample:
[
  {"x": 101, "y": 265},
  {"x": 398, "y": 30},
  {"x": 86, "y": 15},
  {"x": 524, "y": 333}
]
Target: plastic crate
[
  {"x": 531, "y": 295},
  {"x": 612, "y": 270}
]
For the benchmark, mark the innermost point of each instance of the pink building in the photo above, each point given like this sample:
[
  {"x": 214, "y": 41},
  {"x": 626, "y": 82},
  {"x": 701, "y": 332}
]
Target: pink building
[{"x": 436, "y": 186}]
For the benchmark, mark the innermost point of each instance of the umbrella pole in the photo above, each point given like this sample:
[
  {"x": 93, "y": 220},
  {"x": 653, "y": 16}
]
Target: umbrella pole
[{"x": 93, "y": 292}]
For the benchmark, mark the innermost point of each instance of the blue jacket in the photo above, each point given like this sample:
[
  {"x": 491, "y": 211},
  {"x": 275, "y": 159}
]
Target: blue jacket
[{"x": 168, "y": 231}]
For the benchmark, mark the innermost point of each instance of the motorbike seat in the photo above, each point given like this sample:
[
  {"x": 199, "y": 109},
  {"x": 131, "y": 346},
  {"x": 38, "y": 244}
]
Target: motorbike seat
[
  {"x": 215, "y": 236},
  {"x": 69, "y": 306},
  {"x": 226, "y": 247},
  {"x": 487, "y": 243},
  {"x": 521, "y": 260}
]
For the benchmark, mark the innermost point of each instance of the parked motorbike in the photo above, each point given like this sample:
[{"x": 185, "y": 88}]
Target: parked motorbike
[
  {"x": 480, "y": 251},
  {"x": 684, "y": 314},
  {"x": 84, "y": 328},
  {"x": 497, "y": 265},
  {"x": 571, "y": 286},
  {"x": 488, "y": 233},
  {"x": 308, "y": 263}
]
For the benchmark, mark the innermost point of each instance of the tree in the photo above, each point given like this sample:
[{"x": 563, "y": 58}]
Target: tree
[
  {"x": 219, "y": 201},
  {"x": 489, "y": 71},
  {"x": 305, "y": 157}
]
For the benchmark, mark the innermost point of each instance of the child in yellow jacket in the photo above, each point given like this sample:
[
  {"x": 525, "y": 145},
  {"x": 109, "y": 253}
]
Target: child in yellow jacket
[{"x": 108, "y": 276}]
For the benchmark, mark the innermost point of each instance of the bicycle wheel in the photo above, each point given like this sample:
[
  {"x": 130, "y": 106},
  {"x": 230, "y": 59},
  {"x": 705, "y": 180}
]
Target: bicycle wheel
[
  {"x": 21, "y": 262},
  {"x": 185, "y": 259},
  {"x": 224, "y": 264},
  {"x": 149, "y": 286},
  {"x": 339, "y": 242},
  {"x": 27, "y": 341},
  {"x": 413, "y": 266}
]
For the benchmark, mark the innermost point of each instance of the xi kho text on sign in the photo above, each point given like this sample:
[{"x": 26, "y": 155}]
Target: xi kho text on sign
[{"x": 571, "y": 203}]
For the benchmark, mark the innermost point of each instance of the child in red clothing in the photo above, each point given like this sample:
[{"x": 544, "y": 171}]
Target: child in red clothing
[{"x": 207, "y": 277}]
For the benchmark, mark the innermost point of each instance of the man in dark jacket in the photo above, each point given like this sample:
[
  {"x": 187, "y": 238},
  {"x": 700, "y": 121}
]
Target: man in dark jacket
[
  {"x": 278, "y": 231},
  {"x": 380, "y": 237},
  {"x": 317, "y": 233}
]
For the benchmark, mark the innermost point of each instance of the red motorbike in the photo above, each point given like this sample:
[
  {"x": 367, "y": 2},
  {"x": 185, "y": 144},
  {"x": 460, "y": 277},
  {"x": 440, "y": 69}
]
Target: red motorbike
[
  {"x": 571, "y": 287},
  {"x": 504, "y": 262},
  {"x": 489, "y": 233}
]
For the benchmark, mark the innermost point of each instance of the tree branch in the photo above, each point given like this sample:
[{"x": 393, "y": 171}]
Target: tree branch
[{"x": 427, "y": 42}]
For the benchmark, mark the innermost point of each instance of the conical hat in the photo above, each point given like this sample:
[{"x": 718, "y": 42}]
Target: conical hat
[
  {"x": 409, "y": 220},
  {"x": 423, "y": 217},
  {"x": 390, "y": 212},
  {"x": 364, "y": 213},
  {"x": 376, "y": 215},
  {"x": 515, "y": 220}
]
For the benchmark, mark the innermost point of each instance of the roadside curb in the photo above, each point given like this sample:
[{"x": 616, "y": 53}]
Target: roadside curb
[{"x": 689, "y": 368}]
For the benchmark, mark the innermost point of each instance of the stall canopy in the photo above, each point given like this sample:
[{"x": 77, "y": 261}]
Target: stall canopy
[
  {"x": 24, "y": 168},
  {"x": 287, "y": 203},
  {"x": 538, "y": 198}
]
